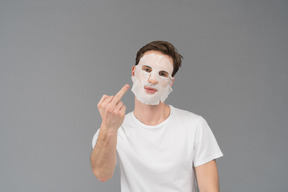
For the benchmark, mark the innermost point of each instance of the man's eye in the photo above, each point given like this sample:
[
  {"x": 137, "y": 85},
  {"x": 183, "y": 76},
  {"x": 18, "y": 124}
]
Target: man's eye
[
  {"x": 146, "y": 69},
  {"x": 164, "y": 74}
]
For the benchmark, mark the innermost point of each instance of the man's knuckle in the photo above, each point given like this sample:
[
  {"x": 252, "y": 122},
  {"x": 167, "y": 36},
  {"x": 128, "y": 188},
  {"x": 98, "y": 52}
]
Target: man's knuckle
[
  {"x": 100, "y": 106},
  {"x": 104, "y": 97},
  {"x": 109, "y": 109}
]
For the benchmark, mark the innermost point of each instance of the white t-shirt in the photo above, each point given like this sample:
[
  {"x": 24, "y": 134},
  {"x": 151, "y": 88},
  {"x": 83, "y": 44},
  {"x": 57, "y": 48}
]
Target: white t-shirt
[{"x": 162, "y": 158}]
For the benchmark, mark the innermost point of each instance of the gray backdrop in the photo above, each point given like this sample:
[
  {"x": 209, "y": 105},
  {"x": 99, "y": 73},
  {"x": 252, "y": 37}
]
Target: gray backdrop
[{"x": 57, "y": 58}]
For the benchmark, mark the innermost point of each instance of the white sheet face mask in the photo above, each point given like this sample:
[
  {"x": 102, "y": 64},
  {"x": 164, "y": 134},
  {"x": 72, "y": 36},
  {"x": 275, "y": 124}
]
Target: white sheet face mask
[{"x": 158, "y": 69}]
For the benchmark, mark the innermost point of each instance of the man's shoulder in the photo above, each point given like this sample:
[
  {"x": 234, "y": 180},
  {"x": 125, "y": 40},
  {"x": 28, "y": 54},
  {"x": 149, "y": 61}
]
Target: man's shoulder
[{"x": 182, "y": 113}]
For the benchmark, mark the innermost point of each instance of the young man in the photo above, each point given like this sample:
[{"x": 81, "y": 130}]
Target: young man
[{"x": 159, "y": 148}]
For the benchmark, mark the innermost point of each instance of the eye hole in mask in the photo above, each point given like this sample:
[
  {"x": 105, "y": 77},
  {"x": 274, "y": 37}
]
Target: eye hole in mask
[{"x": 161, "y": 73}]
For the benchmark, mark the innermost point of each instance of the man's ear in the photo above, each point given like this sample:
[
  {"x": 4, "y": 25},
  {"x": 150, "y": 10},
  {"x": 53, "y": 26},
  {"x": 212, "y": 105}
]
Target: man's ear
[{"x": 133, "y": 70}]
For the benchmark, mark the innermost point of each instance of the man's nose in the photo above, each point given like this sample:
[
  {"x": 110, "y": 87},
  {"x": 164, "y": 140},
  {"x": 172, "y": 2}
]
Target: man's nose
[{"x": 153, "y": 79}]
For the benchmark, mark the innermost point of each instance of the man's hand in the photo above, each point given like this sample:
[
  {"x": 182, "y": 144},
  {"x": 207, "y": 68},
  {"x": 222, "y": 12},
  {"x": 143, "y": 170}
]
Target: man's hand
[
  {"x": 103, "y": 157},
  {"x": 112, "y": 111}
]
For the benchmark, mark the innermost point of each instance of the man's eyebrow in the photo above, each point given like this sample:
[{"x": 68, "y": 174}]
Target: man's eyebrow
[{"x": 146, "y": 66}]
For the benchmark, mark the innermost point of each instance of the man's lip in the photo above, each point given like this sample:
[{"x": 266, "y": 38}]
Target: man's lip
[{"x": 150, "y": 89}]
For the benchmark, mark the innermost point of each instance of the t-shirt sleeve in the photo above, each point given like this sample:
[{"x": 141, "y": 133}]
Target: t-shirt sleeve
[{"x": 206, "y": 147}]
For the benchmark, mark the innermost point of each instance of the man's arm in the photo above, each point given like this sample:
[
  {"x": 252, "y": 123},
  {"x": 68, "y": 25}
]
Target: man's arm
[
  {"x": 103, "y": 157},
  {"x": 207, "y": 177}
]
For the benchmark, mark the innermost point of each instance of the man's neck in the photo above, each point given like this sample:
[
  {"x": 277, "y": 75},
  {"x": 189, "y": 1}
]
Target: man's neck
[{"x": 151, "y": 114}]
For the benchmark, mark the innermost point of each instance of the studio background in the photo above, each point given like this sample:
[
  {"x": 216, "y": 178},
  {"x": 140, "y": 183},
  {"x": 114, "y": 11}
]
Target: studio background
[{"x": 57, "y": 59}]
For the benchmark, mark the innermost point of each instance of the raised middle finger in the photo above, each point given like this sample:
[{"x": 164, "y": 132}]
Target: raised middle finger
[{"x": 120, "y": 94}]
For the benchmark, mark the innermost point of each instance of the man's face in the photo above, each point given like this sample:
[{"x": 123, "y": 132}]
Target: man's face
[{"x": 152, "y": 78}]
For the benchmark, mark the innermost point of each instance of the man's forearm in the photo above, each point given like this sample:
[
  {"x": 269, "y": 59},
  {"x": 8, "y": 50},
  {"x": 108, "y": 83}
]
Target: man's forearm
[
  {"x": 207, "y": 177},
  {"x": 103, "y": 157}
]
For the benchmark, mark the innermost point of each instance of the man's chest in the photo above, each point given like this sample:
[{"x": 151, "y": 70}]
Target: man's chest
[{"x": 157, "y": 151}]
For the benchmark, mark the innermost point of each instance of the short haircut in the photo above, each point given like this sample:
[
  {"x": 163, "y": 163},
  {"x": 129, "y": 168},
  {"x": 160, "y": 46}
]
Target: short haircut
[{"x": 165, "y": 48}]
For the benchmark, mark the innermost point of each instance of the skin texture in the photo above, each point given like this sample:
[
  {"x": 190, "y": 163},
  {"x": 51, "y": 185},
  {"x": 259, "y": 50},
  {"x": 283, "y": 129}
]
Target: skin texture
[
  {"x": 103, "y": 157},
  {"x": 112, "y": 111},
  {"x": 207, "y": 177}
]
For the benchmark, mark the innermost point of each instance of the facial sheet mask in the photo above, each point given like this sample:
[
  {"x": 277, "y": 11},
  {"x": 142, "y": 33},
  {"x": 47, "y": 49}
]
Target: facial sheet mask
[{"x": 158, "y": 69}]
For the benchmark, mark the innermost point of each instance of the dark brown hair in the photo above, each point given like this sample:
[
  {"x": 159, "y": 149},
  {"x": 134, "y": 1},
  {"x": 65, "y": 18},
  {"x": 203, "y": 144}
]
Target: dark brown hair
[{"x": 165, "y": 48}]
